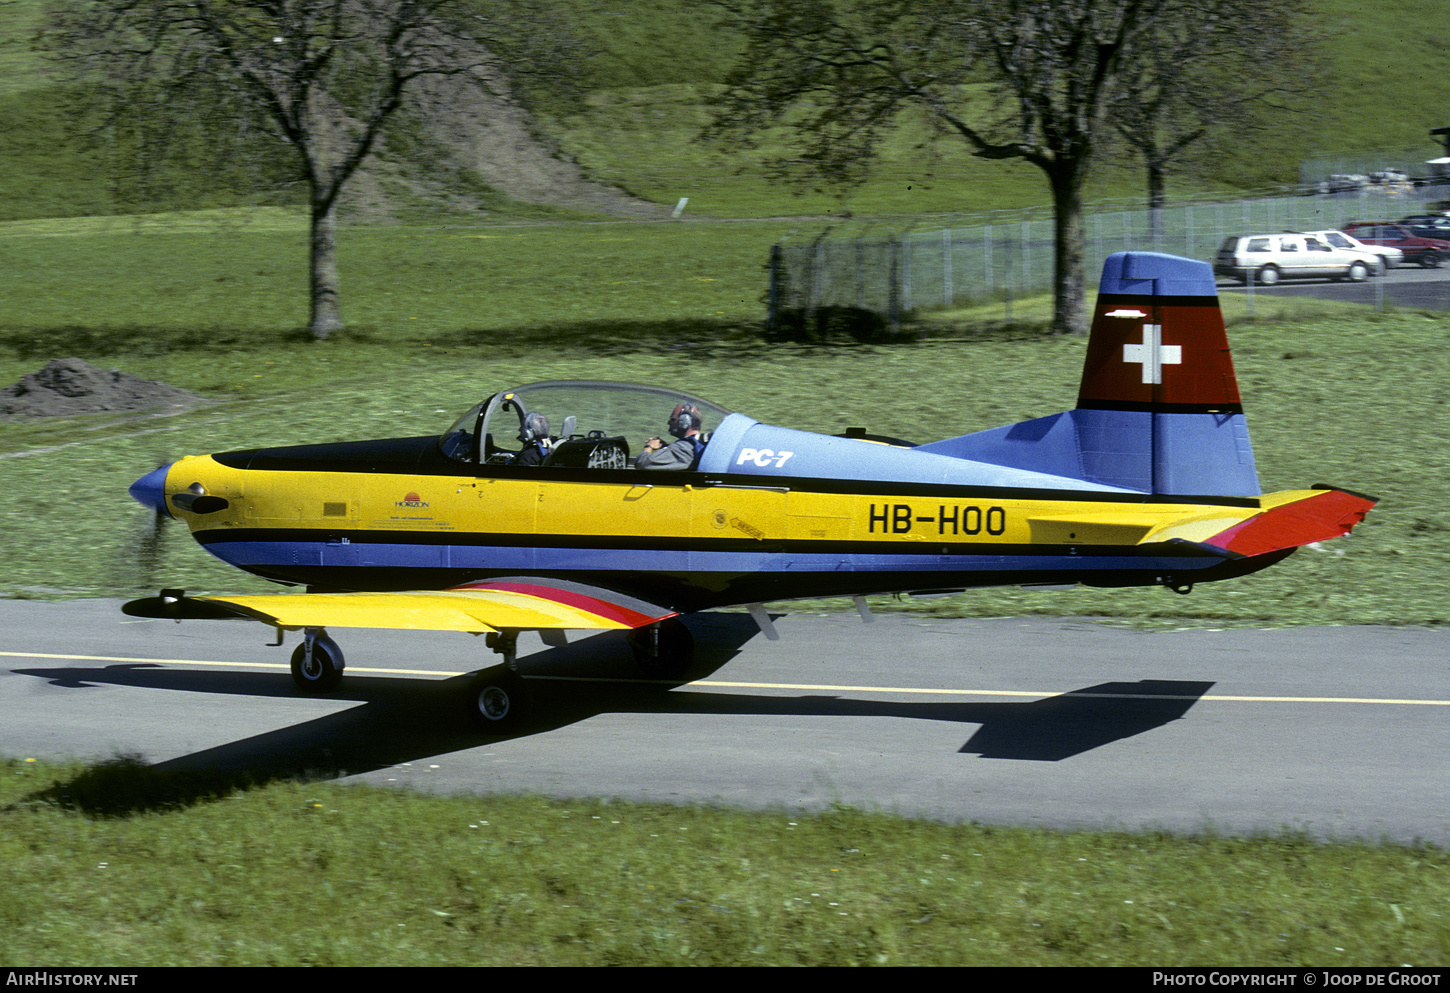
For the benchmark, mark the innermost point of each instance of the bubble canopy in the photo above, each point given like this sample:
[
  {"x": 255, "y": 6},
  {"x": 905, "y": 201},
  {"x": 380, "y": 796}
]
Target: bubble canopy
[{"x": 575, "y": 409}]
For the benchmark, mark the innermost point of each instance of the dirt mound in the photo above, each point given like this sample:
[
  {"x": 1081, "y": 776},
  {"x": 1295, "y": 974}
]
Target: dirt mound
[{"x": 71, "y": 386}]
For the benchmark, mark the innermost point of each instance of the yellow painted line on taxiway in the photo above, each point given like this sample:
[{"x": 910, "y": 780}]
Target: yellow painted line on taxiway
[
  {"x": 285, "y": 667},
  {"x": 814, "y": 687},
  {"x": 1218, "y": 698}
]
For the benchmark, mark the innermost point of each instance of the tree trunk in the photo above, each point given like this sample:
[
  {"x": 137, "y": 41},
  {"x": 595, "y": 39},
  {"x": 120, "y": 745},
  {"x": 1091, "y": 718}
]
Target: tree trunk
[
  {"x": 1156, "y": 200},
  {"x": 326, "y": 315},
  {"x": 1069, "y": 309}
]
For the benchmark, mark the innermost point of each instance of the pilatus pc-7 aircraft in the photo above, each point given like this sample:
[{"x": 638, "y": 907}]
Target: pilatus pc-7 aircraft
[{"x": 1149, "y": 480}]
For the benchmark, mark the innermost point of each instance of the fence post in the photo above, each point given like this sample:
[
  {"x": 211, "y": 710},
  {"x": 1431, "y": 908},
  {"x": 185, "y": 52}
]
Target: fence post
[
  {"x": 818, "y": 266},
  {"x": 772, "y": 313},
  {"x": 893, "y": 285},
  {"x": 1026, "y": 256},
  {"x": 946, "y": 267},
  {"x": 906, "y": 272},
  {"x": 861, "y": 269},
  {"x": 1007, "y": 270},
  {"x": 987, "y": 258}
]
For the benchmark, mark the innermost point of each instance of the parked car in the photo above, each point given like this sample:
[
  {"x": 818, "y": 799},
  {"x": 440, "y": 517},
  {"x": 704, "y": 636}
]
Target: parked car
[
  {"x": 1388, "y": 257},
  {"x": 1426, "y": 251},
  {"x": 1268, "y": 258},
  {"x": 1428, "y": 225}
]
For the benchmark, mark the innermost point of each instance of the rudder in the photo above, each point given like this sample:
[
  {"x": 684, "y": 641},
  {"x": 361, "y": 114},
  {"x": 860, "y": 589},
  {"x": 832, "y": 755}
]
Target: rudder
[{"x": 1159, "y": 401}]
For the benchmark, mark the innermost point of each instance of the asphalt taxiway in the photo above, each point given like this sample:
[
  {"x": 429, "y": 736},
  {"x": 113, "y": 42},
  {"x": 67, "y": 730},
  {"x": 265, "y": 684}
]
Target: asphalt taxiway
[{"x": 1339, "y": 732}]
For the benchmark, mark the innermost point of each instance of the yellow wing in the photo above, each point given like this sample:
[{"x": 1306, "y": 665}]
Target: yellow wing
[{"x": 519, "y": 604}]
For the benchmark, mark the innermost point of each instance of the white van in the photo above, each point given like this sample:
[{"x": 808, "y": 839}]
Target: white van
[{"x": 1269, "y": 258}]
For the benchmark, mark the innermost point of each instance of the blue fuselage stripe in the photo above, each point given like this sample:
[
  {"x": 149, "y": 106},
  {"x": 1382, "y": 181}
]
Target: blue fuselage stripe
[{"x": 275, "y": 556}]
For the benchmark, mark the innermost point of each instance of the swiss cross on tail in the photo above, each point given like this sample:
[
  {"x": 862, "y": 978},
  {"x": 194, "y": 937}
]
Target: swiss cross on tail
[
  {"x": 1158, "y": 340},
  {"x": 1152, "y": 354}
]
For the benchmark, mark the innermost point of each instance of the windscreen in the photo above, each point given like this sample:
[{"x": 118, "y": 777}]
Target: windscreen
[{"x": 574, "y": 409}]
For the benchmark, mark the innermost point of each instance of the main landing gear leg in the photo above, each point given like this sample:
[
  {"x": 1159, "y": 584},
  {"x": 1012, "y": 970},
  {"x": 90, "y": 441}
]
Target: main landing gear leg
[
  {"x": 664, "y": 650},
  {"x": 317, "y": 663},
  {"x": 498, "y": 699}
]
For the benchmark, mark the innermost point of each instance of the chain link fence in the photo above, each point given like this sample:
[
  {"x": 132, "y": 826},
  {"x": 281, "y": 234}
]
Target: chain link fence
[{"x": 862, "y": 283}]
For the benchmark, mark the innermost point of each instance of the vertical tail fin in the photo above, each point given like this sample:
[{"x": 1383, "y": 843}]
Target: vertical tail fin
[
  {"x": 1158, "y": 410},
  {"x": 1159, "y": 403}
]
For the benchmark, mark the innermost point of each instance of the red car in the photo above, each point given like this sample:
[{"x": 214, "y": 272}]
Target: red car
[{"x": 1426, "y": 251}]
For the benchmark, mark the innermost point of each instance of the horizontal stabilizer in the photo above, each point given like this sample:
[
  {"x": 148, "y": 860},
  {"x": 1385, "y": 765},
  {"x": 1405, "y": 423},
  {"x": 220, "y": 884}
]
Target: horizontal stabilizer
[
  {"x": 1280, "y": 521},
  {"x": 1295, "y": 518}
]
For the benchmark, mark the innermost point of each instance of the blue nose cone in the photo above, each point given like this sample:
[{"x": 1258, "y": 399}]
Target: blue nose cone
[{"x": 150, "y": 489}]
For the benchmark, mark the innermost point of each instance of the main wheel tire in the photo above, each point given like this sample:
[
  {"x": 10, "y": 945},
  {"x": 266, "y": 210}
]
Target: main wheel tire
[
  {"x": 1358, "y": 272},
  {"x": 1268, "y": 276},
  {"x": 663, "y": 651},
  {"x": 325, "y": 670},
  {"x": 498, "y": 700},
  {"x": 1430, "y": 260}
]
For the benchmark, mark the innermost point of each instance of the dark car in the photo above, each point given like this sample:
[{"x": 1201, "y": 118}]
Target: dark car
[
  {"x": 1426, "y": 251},
  {"x": 1428, "y": 225}
]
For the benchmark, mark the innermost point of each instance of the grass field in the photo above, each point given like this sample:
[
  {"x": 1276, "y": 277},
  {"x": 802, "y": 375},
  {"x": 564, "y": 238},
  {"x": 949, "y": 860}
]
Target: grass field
[{"x": 321, "y": 874}]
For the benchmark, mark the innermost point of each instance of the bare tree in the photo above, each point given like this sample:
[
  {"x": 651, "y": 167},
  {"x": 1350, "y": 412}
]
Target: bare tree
[
  {"x": 1211, "y": 67},
  {"x": 320, "y": 77},
  {"x": 1033, "y": 80}
]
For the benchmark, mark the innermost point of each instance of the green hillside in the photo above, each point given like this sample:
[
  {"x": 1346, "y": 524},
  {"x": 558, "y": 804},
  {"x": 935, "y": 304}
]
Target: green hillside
[{"x": 647, "y": 90}]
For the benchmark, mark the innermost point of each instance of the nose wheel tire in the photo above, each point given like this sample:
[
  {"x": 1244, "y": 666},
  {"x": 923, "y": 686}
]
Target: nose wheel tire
[{"x": 323, "y": 671}]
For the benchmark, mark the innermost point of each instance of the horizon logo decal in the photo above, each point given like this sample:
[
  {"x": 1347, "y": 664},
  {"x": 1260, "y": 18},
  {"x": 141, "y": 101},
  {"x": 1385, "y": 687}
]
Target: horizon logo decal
[{"x": 412, "y": 502}]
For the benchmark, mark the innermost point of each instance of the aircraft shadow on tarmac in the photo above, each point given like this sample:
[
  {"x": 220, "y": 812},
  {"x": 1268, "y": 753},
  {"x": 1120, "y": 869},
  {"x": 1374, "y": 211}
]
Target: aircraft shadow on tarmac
[{"x": 401, "y": 720}]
